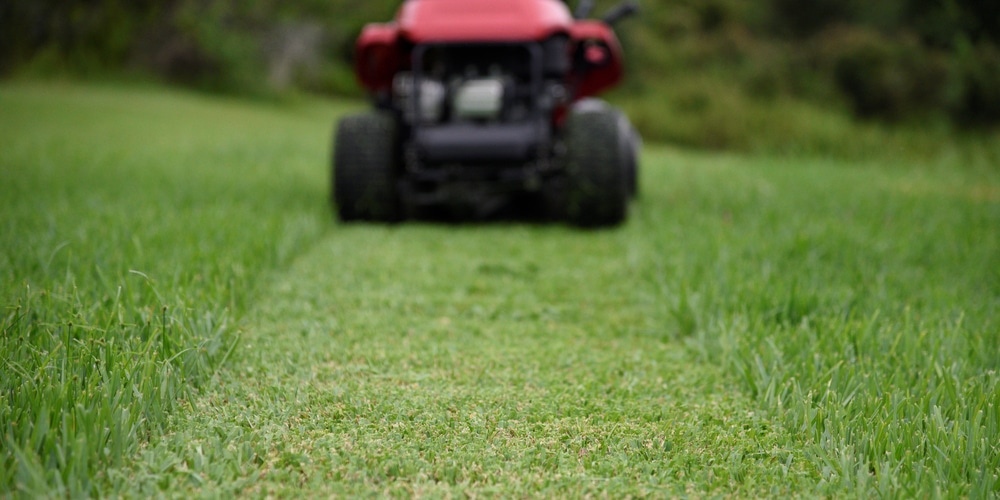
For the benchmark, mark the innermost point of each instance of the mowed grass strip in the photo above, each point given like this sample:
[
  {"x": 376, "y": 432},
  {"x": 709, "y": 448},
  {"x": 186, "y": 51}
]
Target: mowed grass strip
[
  {"x": 448, "y": 361},
  {"x": 759, "y": 328},
  {"x": 134, "y": 225}
]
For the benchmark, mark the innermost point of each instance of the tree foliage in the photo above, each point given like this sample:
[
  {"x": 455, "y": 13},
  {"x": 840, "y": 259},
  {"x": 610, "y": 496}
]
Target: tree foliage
[{"x": 891, "y": 59}]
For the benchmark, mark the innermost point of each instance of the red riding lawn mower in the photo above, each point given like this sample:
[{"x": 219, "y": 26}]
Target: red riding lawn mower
[{"x": 485, "y": 108}]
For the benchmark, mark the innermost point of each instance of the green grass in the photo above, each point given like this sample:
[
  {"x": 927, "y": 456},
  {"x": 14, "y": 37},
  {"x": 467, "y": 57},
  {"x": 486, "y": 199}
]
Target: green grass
[
  {"x": 134, "y": 227},
  {"x": 760, "y": 327},
  {"x": 859, "y": 309}
]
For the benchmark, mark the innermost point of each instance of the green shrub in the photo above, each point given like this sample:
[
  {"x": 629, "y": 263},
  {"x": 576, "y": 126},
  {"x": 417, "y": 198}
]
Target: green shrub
[
  {"x": 883, "y": 77},
  {"x": 975, "y": 98},
  {"x": 71, "y": 36},
  {"x": 802, "y": 19},
  {"x": 224, "y": 42},
  {"x": 894, "y": 61}
]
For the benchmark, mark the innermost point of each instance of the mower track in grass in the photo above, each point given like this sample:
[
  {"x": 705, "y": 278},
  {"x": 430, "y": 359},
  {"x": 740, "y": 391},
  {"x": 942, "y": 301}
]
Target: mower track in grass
[{"x": 510, "y": 360}]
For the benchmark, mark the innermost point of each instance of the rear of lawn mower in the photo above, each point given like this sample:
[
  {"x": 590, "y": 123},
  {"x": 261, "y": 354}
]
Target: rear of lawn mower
[{"x": 484, "y": 108}]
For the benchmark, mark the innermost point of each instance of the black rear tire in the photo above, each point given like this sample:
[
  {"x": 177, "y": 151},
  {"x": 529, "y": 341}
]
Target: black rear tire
[
  {"x": 597, "y": 187},
  {"x": 366, "y": 168}
]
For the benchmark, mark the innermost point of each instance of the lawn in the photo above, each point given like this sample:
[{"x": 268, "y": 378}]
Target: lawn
[{"x": 181, "y": 316}]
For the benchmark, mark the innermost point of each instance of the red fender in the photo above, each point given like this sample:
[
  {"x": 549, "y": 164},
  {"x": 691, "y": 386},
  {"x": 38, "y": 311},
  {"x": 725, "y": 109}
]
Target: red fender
[
  {"x": 598, "y": 50},
  {"x": 377, "y": 56}
]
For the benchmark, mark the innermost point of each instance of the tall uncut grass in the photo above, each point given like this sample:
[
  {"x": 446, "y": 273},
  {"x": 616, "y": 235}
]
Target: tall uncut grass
[
  {"x": 133, "y": 227},
  {"x": 858, "y": 305}
]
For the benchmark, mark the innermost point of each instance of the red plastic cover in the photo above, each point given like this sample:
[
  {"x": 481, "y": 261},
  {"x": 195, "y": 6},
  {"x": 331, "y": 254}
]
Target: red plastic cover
[
  {"x": 379, "y": 54},
  {"x": 426, "y": 21}
]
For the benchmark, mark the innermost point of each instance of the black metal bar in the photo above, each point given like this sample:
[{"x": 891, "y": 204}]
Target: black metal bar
[{"x": 619, "y": 12}]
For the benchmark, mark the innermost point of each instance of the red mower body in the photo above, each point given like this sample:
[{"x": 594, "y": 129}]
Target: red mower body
[{"x": 485, "y": 107}]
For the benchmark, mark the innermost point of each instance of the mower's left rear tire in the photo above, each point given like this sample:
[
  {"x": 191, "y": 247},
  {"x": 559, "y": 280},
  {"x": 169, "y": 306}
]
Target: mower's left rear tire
[{"x": 366, "y": 168}]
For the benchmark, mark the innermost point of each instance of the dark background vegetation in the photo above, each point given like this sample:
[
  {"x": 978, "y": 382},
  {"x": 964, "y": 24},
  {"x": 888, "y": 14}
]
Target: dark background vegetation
[{"x": 734, "y": 74}]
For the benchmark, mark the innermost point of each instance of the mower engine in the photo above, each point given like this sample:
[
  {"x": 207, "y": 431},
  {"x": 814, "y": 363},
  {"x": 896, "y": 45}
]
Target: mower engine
[{"x": 479, "y": 99}]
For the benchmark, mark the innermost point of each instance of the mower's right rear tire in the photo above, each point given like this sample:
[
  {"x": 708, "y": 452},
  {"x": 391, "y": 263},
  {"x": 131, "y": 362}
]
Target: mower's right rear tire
[
  {"x": 597, "y": 187},
  {"x": 366, "y": 168}
]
